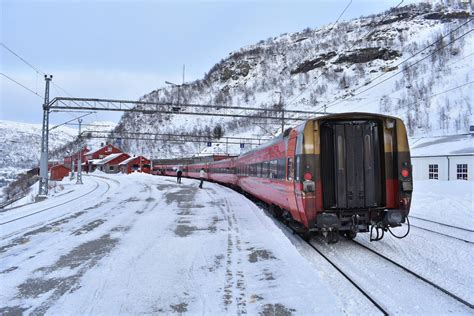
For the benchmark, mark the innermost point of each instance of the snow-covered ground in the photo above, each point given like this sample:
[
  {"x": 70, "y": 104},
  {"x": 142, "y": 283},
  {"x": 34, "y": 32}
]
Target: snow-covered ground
[
  {"x": 133, "y": 244},
  {"x": 143, "y": 244}
]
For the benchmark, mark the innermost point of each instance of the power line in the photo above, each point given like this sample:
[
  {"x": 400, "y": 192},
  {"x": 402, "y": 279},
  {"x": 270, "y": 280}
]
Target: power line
[
  {"x": 397, "y": 73},
  {"x": 21, "y": 85},
  {"x": 340, "y": 15},
  {"x": 36, "y": 69},
  {"x": 412, "y": 56},
  {"x": 355, "y": 42},
  {"x": 22, "y": 59},
  {"x": 426, "y": 98}
]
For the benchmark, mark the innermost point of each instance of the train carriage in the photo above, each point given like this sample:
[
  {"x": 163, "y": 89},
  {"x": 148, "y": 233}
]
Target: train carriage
[
  {"x": 340, "y": 173},
  {"x": 223, "y": 171}
]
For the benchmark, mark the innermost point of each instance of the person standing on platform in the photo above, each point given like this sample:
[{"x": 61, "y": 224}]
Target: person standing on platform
[
  {"x": 179, "y": 174},
  {"x": 202, "y": 175}
]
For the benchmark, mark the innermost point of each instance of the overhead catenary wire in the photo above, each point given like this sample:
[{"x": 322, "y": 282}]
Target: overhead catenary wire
[
  {"x": 22, "y": 59},
  {"x": 35, "y": 68},
  {"x": 424, "y": 99},
  {"x": 339, "y": 100},
  {"x": 20, "y": 84}
]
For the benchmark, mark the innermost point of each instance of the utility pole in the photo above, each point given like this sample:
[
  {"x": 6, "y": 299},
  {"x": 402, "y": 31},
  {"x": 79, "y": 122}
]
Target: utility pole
[
  {"x": 72, "y": 168},
  {"x": 79, "y": 159},
  {"x": 43, "y": 181}
]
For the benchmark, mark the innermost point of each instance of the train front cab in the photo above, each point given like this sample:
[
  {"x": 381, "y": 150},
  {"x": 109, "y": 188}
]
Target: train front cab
[{"x": 353, "y": 174}]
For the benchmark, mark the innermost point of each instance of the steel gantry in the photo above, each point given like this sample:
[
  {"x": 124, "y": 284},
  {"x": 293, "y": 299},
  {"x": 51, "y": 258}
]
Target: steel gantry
[
  {"x": 145, "y": 107},
  {"x": 60, "y": 104},
  {"x": 174, "y": 138}
]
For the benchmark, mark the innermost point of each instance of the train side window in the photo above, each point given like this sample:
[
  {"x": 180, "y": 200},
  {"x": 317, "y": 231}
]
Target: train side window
[
  {"x": 274, "y": 169},
  {"x": 281, "y": 169},
  {"x": 290, "y": 170}
]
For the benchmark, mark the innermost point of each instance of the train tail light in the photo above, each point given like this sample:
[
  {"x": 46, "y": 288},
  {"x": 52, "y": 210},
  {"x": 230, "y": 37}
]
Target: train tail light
[
  {"x": 405, "y": 173},
  {"x": 308, "y": 176}
]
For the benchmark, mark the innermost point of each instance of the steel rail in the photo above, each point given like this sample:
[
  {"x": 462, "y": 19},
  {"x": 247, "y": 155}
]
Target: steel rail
[
  {"x": 334, "y": 265},
  {"x": 442, "y": 234},
  {"x": 348, "y": 278},
  {"x": 51, "y": 207},
  {"x": 442, "y": 224},
  {"x": 454, "y": 296}
]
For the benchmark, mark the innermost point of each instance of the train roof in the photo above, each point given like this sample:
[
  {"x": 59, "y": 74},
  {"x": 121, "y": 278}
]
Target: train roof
[{"x": 348, "y": 115}]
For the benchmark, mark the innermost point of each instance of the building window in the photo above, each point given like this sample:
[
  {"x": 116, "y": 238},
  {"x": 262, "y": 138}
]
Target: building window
[
  {"x": 111, "y": 168},
  {"x": 433, "y": 171},
  {"x": 461, "y": 170}
]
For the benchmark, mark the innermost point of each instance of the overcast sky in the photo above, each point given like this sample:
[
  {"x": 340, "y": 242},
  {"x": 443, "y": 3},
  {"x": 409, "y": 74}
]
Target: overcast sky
[{"x": 125, "y": 49}]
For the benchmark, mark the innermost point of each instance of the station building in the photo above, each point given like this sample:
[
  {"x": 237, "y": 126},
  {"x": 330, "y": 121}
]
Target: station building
[{"x": 443, "y": 158}]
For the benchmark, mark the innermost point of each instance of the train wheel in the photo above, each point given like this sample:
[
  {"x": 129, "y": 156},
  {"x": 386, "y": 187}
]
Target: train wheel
[
  {"x": 332, "y": 237},
  {"x": 306, "y": 235}
]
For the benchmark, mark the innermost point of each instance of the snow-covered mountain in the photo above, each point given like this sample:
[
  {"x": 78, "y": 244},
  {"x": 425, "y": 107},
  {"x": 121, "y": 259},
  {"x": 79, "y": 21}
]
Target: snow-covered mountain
[{"x": 375, "y": 63}]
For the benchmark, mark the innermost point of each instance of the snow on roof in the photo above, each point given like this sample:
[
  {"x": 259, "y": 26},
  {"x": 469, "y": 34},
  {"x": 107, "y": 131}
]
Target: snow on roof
[
  {"x": 128, "y": 160},
  {"x": 93, "y": 161},
  {"x": 108, "y": 158},
  {"x": 93, "y": 151},
  {"x": 442, "y": 146}
]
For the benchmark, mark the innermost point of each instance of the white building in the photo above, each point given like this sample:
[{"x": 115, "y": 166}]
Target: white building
[{"x": 443, "y": 158}]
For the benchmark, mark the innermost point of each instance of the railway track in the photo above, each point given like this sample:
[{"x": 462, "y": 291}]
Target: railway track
[
  {"x": 442, "y": 234},
  {"x": 442, "y": 224},
  {"x": 368, "y": 293},
  {"x": 416, "y": 275},
  {"x": 55, "y": 206},
  {"x": 348, "y": 278}
]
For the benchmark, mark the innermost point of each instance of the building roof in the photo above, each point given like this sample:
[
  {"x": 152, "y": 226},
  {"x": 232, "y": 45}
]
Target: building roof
[
  {"x": 442, "y": 146},
  {"x": 125, "y": 162},
  {"x": 98, "y": 149},
  {"x": 108, "y": 158},
  {"x": 93, "y": 161},
  {"x": 60, "y": 166}
]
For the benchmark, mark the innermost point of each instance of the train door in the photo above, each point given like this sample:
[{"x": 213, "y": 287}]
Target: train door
[
  {"x": 290, "y": 175},
  {"x": 351, "y": 165}
]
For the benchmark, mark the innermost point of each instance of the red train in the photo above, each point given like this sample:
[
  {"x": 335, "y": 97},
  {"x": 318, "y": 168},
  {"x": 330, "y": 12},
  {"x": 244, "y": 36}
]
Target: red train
[{"x": 342, "y": 173}]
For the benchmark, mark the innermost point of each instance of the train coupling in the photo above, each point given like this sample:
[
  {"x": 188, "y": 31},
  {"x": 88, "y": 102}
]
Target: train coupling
[{"x": 393, "y": 218}]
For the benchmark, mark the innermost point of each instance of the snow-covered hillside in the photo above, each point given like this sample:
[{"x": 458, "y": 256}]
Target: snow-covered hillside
[
  {"x": 20, "y": 145},
  {"x": 371, "y": 64}
]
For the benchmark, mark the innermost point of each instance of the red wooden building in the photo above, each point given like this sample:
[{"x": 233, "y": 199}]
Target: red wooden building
[
  {"x": 103, "y": 152},
  {"x": 135, "y": 164},
  {"x": 110, "y": 164},
  {"x": 95, "y": 156},
  {"x": 75, "y": 157},
  {"x": 58, "y": 172}
]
